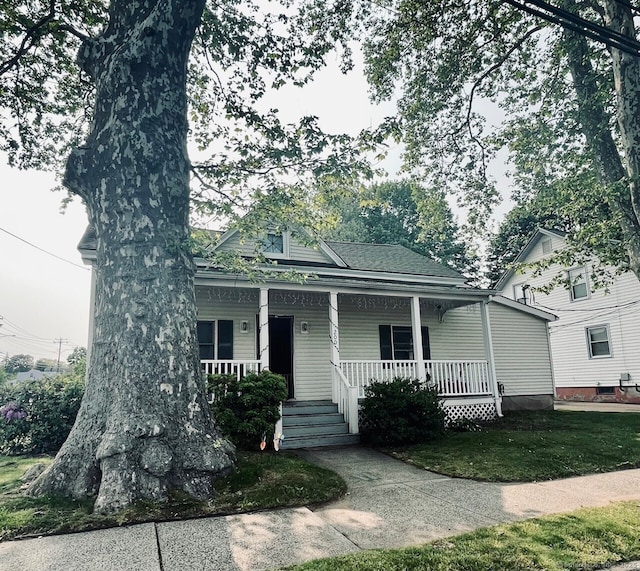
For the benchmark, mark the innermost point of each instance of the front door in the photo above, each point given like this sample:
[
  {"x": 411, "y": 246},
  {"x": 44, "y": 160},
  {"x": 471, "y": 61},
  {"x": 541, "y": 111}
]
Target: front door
[{"x": 281, "y": 349}]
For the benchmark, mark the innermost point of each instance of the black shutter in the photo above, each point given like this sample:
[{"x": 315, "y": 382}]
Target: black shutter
[
  {"x": 426, "y": 347},
  {"x": 386, "y": 350},
  {"x": 206, "y": 339},
  {"x": 225, "y": 339}
]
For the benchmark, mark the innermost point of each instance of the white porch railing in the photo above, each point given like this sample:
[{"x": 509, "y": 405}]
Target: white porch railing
[
  {"x": 453, "y": 378},
  {"x": 230, "y": 367},
  {"x": 346, "y": 397}
]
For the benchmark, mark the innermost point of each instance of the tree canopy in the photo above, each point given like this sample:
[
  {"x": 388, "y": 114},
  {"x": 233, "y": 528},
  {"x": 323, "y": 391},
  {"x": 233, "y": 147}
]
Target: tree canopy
[
  {"x": 476, "y": 78},
  {"x": 397, "y": 212}
]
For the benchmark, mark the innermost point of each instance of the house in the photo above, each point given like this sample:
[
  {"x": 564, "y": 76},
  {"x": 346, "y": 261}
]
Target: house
[
  {"x": 33, "y": 375},
  {"x": 595, "y": 340},
  {"x": 363, "y": 312}
]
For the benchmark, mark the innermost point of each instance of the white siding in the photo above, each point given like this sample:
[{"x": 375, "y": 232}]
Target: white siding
[
  {"x": 619, "y": 309},
  {"x": 311, "y": 351},
  {"x": 297, "y": 249},
  {"x": 235, "y": 304},
  {"x": 521, "y": 352}
]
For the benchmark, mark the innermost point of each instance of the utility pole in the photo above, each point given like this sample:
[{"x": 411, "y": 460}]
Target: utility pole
[{"x": 59, "y": 342}]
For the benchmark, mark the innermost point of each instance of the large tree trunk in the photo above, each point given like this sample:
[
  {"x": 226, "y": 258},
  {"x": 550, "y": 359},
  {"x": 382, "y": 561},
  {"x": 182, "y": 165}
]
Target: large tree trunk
[
  {"x": 144, "y": 427},
  {"x": 595, "y": 122}
]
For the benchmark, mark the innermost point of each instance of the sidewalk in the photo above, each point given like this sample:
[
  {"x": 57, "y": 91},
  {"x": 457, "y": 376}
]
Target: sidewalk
[{"x": 389, "y": 504}]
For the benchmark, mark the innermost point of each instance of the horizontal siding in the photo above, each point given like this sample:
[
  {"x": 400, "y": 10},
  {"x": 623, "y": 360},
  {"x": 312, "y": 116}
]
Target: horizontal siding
[
  {"x": 311, "y": 351},
  {"x": 459, "y": 336},
  {"x": 614, "y": 308},
  {"x": 521, "y": 352},
  {"x": 237, "y": 305},
  {"x": 297, "y": 249}
]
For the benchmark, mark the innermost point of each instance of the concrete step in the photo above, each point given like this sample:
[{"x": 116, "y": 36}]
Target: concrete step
[
  {"x": 307, "y": 419},
  {"x": 309, "y": 407},
  {"x": 316, "y": 430},
  {"x": 296, "y": 442}
]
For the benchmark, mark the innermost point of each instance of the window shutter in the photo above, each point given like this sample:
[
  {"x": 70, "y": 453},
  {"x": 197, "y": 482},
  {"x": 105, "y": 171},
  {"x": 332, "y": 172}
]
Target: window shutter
[
  {"x": 225, "y": 339},
  {"x": 426, "y": 346},
  {"x": 386, "y": 351},
  {"x": 206, "y": 337}
]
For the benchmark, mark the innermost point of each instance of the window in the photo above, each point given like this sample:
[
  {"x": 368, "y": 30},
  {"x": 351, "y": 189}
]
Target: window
[
  {"x": 208, "y": 333},
  {"x": 273, "y": 244},
  {"x": 276, "y": 245},
  {"x": 578, "y": 284},
  {"x": 520, "y": 293},
  {"x": 546, "y": 246},
  {"x": 605, "y": 390},
  {"x": 396, "y": 343},
  {"x": 598, "y": 342}
]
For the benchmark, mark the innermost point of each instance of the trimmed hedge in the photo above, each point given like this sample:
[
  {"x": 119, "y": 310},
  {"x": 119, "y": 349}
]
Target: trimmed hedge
[
  {"x": 248, "y": 409},
  {"x": 404, "y": 411},
  {"x": 36, "y": 416}
]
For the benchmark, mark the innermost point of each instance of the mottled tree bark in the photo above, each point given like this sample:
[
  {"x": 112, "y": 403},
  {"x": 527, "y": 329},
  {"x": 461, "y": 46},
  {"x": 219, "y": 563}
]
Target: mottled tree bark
[
  {"x": 595, "y": 121},
  {"x": 144, "y": 427}
]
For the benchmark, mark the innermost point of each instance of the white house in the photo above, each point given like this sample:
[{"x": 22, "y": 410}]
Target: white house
[
  {"x": 365, "y": 312},
  {"x": 595, "y": 341}
]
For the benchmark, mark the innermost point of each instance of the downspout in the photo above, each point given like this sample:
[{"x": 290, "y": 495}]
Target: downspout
[{"x": 488, "y": 347}]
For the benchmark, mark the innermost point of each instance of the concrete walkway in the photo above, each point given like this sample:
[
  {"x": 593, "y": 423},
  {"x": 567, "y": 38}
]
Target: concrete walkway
[{"x": 389, "y": 504}]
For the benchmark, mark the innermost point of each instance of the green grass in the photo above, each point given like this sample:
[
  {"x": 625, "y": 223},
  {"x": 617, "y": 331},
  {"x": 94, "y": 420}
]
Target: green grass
[
  {"x": 262, "y": 481},
  {"x": 585, "y": 539},
  {"x": 533, "y": 446}
]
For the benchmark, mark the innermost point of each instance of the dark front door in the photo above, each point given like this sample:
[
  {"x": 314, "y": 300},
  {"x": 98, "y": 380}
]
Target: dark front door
[{"x": 281, "y": 349}]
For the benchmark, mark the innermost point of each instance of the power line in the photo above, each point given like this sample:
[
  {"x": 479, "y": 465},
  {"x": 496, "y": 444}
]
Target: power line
[
  {"x": 43, "y": 250},
  {"x": 576, "y": 23}
]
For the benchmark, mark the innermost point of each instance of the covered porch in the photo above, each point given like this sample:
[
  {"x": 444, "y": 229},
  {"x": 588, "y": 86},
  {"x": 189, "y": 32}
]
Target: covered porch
[{"x": 344, "y": 340}]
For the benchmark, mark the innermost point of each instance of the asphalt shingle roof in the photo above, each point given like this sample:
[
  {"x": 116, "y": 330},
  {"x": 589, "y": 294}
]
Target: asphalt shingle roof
[{"x": 389, "y": 258}]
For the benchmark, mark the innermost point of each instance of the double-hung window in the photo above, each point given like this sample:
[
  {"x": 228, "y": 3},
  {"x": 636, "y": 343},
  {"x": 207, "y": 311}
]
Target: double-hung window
[
  {"x": 396, "y": 343},
  {"x": 215, "y": 339},
  {"x": 598, "y": 341},
  {"x": 578, "y": 284}
]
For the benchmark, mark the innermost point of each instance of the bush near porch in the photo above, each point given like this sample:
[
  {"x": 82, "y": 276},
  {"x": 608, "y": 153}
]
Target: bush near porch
[
  {"x": 248, "y": 408},
  {"x": 403, "y": 411}
]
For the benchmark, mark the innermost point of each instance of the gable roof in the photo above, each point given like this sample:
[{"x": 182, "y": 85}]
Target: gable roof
[
  {"x": 391, "y": 258},
  {"x": 524, "y": 253}
]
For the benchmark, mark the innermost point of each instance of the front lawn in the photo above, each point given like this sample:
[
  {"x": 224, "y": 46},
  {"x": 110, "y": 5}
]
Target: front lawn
[
  {"x": 532, "y": 446},
  {"x": 262, "y": 481},
  {"x": 585, "y": 539}
]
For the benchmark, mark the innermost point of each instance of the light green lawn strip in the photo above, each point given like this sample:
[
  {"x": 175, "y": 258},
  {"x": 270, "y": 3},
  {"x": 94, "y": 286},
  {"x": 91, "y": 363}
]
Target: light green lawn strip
[{"x": 585, "y": 539}]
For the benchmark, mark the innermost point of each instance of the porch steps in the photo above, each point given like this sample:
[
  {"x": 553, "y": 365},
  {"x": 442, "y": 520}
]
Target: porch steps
[{"x": 311, "y": 424}]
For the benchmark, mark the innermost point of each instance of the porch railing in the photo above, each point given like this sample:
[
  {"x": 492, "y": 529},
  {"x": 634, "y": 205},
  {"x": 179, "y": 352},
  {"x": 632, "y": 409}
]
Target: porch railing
[
  {"x": 346, "y": 397},
  {"x": 230, "y": 367},
  {"x": 453, "y": 378}
]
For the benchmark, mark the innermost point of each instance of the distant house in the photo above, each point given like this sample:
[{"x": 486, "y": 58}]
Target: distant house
[
  {"x": 34, "y": 375},
  {"x": 594, "y": 342},
  {"x": 366, "y": 312}
]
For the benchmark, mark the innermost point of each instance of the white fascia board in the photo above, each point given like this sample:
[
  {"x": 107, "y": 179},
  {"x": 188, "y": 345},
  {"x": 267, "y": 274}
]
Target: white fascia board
[{"x": 524, "y": 308}]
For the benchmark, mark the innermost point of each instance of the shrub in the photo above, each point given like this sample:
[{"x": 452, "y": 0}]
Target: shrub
[
  {"x": 249, "y": 408},
  {"x": 36, "y": 416},
  {"x": 404, "y": 411}
]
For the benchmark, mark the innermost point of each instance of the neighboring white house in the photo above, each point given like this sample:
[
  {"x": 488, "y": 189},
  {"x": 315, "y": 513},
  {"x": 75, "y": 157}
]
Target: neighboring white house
[
  {"x": 595, "y": 342},
  {"x": 364, "y": 312}
]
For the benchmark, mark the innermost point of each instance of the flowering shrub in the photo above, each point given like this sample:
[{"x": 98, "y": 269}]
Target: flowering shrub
[
  {"x": 36, "y": 416},
  {"x": 12, "y": 411}
]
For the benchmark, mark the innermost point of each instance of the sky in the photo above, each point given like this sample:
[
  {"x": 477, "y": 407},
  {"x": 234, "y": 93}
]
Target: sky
[{"x": 44, "y": 295}]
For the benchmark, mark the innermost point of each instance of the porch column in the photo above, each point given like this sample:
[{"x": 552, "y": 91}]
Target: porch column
[
  {"x": 416, "y": 324},
  {"x": 488, "y": 350},
  {"x": 334, "y": 334},
  {"x": 263, "y": 319}
]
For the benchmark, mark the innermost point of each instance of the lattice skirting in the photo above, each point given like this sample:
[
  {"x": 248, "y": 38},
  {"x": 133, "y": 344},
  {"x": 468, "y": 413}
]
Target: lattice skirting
[{"x": 457, "y": 411}]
